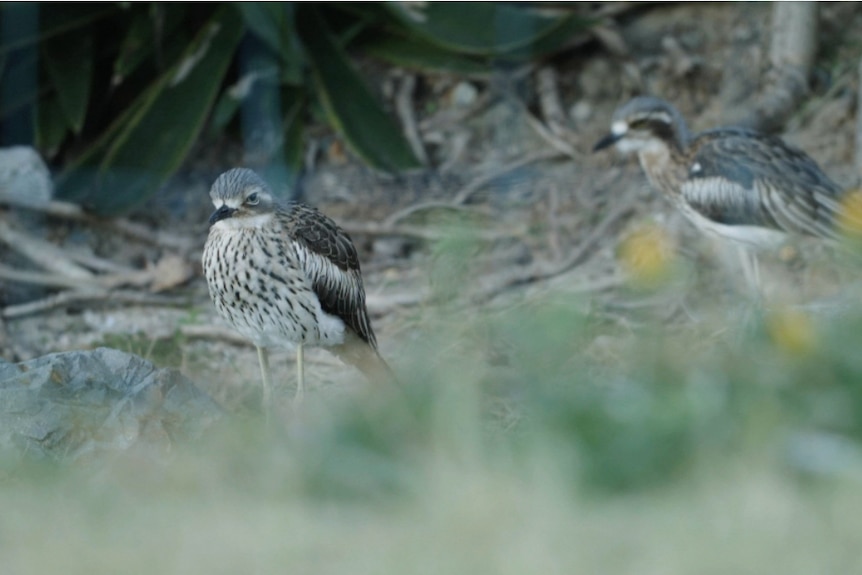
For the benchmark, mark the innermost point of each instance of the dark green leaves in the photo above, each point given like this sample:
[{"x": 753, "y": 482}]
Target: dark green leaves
[
  {"x": 419, "y": 54},
  {"x": 350, "y": 106},
  {"x": 274, "y": 24},
  {"x": 116, "y": 94},
  {"x": 165, "y": 121},
  {"x": 69, "y": 60},
  {"x": 479, "y": 28}
]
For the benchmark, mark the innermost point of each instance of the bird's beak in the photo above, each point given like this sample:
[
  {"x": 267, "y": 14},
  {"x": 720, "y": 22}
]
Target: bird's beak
[
  {"x": 221, "y": 214},
  {"x": 608, "y": 140}
]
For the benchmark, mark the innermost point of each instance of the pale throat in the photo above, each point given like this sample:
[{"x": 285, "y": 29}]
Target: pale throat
[
  {"x": 655, "y": 157},
  {"x": 664, "y": 169},
  {"x": 246, "y": 222}
]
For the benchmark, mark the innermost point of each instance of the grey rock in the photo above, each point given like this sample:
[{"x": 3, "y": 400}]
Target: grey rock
[
  {"x": 73, "y": 404},
  {"x": 24, "y": 177},
  {"x": 464, "y": 94},
  {"x": 581, "y": 112}
]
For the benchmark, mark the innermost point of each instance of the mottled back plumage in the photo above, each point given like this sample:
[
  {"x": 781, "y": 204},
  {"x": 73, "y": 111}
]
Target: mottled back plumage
[
  {"x": 730, "y": 181},
  {"x": 772, "y": 184},
  {"x": 332, "y": 265}
]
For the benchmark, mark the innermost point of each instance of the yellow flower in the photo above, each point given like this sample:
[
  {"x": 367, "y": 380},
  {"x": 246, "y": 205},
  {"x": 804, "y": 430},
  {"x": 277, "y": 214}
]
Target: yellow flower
[
  {"x": 850, "y": 217},
  {"x": 792, "y": 331},
  {"x": 647, "y": 255}
]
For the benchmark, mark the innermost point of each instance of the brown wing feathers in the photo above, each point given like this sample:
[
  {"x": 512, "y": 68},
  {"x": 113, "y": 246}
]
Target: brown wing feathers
[
  {"x": 330, "y": 259},
  {"x": 744, "y": 178}
]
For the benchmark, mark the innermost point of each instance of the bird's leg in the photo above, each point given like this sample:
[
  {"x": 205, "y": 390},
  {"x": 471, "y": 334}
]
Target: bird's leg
[
  {"x": 300, "y": 375},
  {"x": 263, "y": 358},
  {"x": 754, "y": 305},
  {"x": 751, "y": 271}
]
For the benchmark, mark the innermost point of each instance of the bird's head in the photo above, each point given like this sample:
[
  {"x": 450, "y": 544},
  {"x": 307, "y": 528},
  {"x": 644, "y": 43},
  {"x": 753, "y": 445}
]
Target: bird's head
[
  {"x": 645, "y": 123},
  {"x": 241, "y": 199}
]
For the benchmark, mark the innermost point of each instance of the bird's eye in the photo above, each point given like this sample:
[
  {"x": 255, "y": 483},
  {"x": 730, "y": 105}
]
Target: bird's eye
[
  {"x": 637, "y": 124},
  {"x": 252, "y": 199}
]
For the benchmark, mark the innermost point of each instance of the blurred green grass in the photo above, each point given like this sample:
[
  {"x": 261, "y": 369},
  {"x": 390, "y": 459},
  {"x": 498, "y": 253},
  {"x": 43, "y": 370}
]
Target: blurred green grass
[{"x": 726, "y": 445}]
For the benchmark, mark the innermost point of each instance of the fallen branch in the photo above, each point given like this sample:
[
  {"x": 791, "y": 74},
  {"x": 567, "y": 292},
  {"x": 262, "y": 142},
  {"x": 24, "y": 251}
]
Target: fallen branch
[
  {"x": 142, "y": 233},
  {"x": 133, "y": 230},
  {"x": 95, "y": 263},
  {"x": 480, "y": 181},
  {"x": 80, "y": 297},
  {"x": 404, "y": 109},
  {"x": 44, "y": 279},
  {"x": 138, "y": 278},
  {"x": 44, "y": 254}
]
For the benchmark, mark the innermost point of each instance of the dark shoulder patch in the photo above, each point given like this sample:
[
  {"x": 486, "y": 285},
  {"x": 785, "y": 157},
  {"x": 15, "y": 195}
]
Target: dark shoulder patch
[
  {"x": 724, "y": 154},
  {"x": 338, "y": 287},
  {"x": 321, "y": 235}
]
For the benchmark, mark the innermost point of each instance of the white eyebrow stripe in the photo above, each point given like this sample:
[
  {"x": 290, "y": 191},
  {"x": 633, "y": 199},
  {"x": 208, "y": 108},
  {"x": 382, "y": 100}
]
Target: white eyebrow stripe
[
  {"x": 231, "y": 202},
  {"x": 661, "y": 117}
]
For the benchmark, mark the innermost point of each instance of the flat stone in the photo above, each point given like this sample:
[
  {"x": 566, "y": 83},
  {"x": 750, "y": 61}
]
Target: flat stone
[
  {"x": 24, "y": 177},
  {"x": 71, "y": 404}
]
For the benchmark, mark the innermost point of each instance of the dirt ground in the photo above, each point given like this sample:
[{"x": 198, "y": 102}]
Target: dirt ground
[{"x": 547, "y": 218}]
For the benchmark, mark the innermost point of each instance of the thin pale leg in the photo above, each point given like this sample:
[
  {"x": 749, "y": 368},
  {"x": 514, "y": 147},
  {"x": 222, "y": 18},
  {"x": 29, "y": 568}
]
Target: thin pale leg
[
  {"x": 263, "y": 358},
  {"x": 300, "y": 374},
  {"x": 751, "y": 271}
]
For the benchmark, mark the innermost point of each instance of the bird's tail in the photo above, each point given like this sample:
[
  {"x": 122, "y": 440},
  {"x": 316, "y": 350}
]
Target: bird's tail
[{"x": 365, "y": 358}]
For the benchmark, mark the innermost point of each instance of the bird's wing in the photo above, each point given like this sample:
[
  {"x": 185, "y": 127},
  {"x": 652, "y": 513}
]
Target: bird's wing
[
  {"x": 329, "y": 258},
  {"x": 743, "y": 178}
]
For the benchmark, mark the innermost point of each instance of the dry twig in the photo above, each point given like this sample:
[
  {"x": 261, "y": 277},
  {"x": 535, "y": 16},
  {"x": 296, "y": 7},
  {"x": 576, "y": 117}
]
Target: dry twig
[
  {"x": 482, "y": 180},
  {"x": 95, "y": 263},
  {"x": 133, "y": 230},
  {"x": 495, "y": 284},
  {"x": 609, "y": 35},
  {"x": 427, "y": 233},
  {"x": 553, "y": 139},
  {"x": 92, "y": 296},
  {"x": 548, "y": 89},
  {"x": 42, "y": 253},
  {"x": 455, "y": 115},
  {"x": 399, "y": 215},
  {"x": 45, "y": 279},
  {"x": 404, "y": 109}
]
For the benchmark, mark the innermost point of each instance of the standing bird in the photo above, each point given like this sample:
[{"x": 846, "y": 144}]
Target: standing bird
[
  {"x": 738, "y": 184},
  {"x": 284, "y": 274}
]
